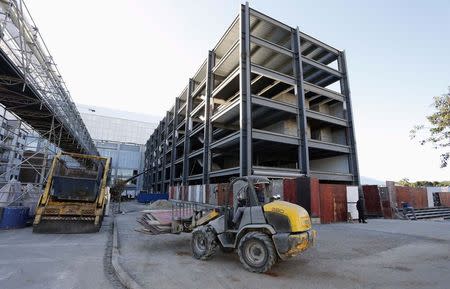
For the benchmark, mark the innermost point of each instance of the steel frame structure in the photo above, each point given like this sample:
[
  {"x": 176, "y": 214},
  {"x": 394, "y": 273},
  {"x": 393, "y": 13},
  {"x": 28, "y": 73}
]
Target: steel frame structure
[
  {"x": 31, "y": 85},
  {"x": 268, "y": 100}
]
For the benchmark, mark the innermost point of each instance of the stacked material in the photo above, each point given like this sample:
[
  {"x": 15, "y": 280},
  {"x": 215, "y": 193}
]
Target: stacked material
[{"x": 153, "y": 225}]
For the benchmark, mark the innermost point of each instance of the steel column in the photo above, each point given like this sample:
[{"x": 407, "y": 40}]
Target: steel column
[
  {"x": 164, "y": 150},
  {"x": 158, "y": 156},
  {"x": 187, "y": 132},
  {"x": 207, "y": 133},
  {"x": 351, "y": 141},
  {"x": 174, "y": 143},
  {"x": 245, "y": 121},
  {"x": 303, "y": 156}
]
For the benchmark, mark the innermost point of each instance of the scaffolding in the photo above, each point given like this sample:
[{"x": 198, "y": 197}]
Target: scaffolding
[
  {"x": 31, "y": 85},
  {"x": 36, "y": 99},
  {"x": 268, "y": 100}
]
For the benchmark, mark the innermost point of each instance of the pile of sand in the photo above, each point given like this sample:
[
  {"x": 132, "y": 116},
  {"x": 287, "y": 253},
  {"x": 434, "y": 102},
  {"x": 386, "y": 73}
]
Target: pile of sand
[{"x": 161, "y": 205}]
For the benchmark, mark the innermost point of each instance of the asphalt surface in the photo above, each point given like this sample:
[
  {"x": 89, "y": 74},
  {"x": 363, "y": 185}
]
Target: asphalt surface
[
  {"x": 57, "y": 261},
  {"x": 380, "y": 254}
]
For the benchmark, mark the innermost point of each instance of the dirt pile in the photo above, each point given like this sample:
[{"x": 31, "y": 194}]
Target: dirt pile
[{"x": 160, "y": 205}]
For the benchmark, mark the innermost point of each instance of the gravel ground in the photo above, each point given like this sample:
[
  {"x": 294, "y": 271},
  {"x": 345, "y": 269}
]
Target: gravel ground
[{"x": 381, "y": 254}]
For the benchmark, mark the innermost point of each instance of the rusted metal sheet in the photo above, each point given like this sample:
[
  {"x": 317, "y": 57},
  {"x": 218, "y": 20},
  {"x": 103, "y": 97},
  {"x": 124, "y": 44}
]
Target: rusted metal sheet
[
  {"x": 224, "y": 192},
  {"x": 340, "y": 203},
  {"x": 416, "y": 197},
  {"x": 372, "y": 200},
  {"x": 445, "y": 199},
  {"x": 326, "y": 204},
  {"x": 333, "y": 203},
  {"x": 315, "y": 197},
  {"x": 387, "y": 210},
  {"x": 290, "y": 190}
]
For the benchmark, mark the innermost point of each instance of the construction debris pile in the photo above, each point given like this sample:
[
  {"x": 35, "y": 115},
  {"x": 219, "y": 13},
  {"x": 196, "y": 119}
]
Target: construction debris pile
[{"x": 160, "y": 205}]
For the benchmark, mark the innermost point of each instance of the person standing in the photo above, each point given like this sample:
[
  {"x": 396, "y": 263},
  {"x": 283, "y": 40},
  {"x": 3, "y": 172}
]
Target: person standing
[{"x": 360, "y": 208}]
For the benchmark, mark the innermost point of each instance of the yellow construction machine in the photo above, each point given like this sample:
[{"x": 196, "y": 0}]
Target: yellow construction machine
[
  {"x": 75, "y": 195},
  {"x": 253, "y": 222}
]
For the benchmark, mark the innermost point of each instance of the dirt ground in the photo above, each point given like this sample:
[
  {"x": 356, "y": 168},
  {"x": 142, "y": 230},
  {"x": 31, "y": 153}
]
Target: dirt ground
[{"x": 380, "y": 254}]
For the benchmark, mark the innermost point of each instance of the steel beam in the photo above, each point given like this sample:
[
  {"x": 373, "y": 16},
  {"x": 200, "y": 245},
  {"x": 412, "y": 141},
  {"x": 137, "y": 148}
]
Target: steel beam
[
  {"x": 329, "y": 146},
  {"x": 322, "y": 67},
  {"x": 272, "y": 74},
  {"x": 326, "y": 118},
  {"x": 329, "y": 176},
  {"x": 318, "y": 43},
  {"x": 262, "y": 101},
  {"x": 225, "y": 172},
  {"x": 323, "y": 91},
  {"x": 275, "y": 137},
  {"x": 272, "y": 46},
  {"x": 269, "y": 19}
]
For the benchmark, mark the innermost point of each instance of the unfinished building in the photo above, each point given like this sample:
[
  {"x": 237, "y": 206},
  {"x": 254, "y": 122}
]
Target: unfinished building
[{"x": 268, "y": 100}]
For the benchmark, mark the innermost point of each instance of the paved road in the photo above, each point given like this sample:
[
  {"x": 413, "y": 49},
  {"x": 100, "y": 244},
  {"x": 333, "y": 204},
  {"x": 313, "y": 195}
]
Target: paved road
[
  {"x": 56, "y": 261},
  {"x": 381, "y": 254}
]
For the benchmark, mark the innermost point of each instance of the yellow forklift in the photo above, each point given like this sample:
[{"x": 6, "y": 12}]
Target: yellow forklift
[{"x": 253, "y": 222}]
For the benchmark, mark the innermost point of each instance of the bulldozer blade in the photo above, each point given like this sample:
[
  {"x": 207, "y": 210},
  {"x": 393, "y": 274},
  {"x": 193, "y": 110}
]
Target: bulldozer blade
[{"x": 65, "y": 227}]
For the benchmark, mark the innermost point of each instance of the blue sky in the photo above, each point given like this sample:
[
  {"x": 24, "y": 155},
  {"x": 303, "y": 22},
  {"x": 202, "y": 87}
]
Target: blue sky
[{"x": 138, "y": 55}]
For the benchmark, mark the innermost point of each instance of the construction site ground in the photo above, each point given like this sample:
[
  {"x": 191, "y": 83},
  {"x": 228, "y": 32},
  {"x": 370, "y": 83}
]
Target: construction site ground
[
  {"x": 380, "y": 254},
  {"x": 56, "y": 261}
]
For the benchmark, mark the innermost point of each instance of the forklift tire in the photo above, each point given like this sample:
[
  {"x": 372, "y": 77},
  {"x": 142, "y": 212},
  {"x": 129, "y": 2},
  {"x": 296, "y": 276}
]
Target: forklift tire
[
  {"x": 257, "y": 252},
  {"x": 203, "y": 243}
]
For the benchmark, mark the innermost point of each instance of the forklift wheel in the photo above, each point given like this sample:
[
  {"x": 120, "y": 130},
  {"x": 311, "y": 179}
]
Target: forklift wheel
[
  {"x": 203, "y": 243},
  {"x": 256, "y": 252}
]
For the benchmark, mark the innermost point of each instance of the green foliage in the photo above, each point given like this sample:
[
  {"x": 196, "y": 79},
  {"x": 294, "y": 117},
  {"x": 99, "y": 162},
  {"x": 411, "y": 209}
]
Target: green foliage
[
  {"x": 116, "y": 189},
  {"x": 438, "y": 133},
  {"x": 406, "y": 183}
]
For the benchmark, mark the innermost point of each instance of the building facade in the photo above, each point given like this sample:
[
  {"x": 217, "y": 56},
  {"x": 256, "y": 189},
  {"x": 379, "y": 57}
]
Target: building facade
[
  {"x": 268, "y": 100},
  {"x": 121, "y": 136},
  {"x": 127, "y": 161}
]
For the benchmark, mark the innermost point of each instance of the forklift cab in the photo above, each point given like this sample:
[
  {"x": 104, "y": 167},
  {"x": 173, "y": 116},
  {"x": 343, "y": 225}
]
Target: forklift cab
[{"x": 249, "y": 195}]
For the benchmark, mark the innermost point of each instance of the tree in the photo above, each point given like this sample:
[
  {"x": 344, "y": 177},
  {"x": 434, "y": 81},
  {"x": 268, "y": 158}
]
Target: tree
[
  {"x": 438, "y": 132},
  {"x": 404, "y": 182},
  {"x": 419, "y": 184}
]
